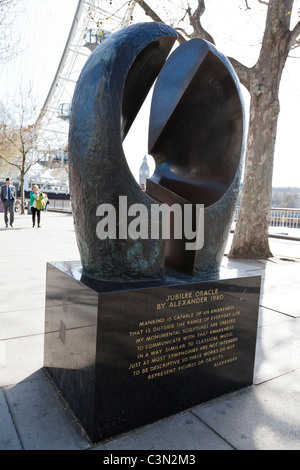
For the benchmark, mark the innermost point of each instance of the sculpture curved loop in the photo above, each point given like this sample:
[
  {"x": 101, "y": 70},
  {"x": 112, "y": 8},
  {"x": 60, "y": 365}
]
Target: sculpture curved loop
[{"x": 111, "y": 88}]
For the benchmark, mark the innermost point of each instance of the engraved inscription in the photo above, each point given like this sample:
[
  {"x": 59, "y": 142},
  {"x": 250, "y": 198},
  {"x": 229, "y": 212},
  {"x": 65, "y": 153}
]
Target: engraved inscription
[{"x": 182, "y": 339}]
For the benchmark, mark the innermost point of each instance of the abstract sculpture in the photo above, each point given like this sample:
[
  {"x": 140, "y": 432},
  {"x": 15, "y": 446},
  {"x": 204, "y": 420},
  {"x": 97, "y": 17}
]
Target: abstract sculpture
[
  {"x": 125, "y": 354},
  {"x": 196, "y": 136}
]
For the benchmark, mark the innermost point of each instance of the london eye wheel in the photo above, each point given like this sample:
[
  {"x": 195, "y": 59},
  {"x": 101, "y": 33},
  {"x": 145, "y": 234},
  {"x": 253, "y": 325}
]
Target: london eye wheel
[{"x": 93, "y": 21}]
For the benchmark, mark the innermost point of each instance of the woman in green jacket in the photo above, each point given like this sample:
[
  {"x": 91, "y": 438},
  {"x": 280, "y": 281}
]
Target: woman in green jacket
[{"x": 36, "y": 204}]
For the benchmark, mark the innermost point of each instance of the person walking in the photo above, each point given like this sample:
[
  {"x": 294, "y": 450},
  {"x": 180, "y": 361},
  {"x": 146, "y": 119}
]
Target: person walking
[
  {"x": 8, "y": 197},
  {"x": 37, "y": 202},
  {"x": 46, "y": 202}
]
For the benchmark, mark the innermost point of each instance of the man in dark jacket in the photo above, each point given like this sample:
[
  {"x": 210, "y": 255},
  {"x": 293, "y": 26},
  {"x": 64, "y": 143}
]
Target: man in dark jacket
[{"x": 8, "y": 197}]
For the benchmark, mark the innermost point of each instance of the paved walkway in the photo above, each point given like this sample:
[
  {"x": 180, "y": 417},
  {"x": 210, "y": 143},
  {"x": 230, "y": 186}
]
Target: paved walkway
[{"x": 32, "y": 415}]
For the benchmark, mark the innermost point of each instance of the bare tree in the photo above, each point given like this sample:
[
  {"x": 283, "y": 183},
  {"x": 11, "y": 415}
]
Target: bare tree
[
  {"x": 262, "y": 81},
  {"x": 19, "y": 139},
  {"x": 8, "y": 34}
]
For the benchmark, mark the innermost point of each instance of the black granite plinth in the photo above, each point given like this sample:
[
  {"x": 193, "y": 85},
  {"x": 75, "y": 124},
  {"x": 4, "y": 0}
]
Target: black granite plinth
[{"x": 123, "y": 355}]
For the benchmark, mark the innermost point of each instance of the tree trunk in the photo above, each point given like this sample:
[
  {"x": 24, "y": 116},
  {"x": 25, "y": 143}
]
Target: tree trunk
[
  {"x": 251, "y": 237},
  {"x": 251, "y": 234}
]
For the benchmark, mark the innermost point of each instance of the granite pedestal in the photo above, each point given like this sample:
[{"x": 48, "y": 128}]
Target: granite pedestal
[{"x": 123, "y": 355}]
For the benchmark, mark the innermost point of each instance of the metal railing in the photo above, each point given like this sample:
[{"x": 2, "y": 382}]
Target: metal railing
[
  {"x": 59, "y": 205},
  {"x": 281, "y": 217},
  {"x": 289, "y": 218}
]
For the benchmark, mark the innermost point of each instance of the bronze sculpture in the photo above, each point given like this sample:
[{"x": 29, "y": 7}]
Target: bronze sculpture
[{"x": 196, "y": 137}]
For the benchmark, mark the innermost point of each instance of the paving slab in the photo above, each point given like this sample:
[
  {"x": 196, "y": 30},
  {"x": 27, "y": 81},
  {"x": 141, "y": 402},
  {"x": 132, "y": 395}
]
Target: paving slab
[
  {"x": 264, "y": 417},
  {"x": 9, "y": 439},
  {"x": 285, "y": 335},
  {"x": 285, "y": 248},
  {"x": 272, "y": 361},
  {"x": 18, "y": 323},
  {"x": 43, "y": 423},
  {"x": 270, "y": 317},
  {"x": 287, "y": 303},
  {"x": 277, "y": 347},
  {"x": 32, "y": 415},
  {"x": 243, "y": 265},
  {"x": 23, "y": 356},
  {"x": 27, "y": 300},
  {"x": 184, "y": 431}
]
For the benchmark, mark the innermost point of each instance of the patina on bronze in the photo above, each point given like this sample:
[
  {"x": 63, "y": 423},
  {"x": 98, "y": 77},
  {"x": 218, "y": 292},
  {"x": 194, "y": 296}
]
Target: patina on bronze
[
  {"x": 109, "y": 93},
  {"x": 196, "y": 137}
]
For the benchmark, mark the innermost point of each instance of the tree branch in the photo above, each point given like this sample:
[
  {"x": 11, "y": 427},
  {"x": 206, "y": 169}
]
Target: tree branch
[
  {"x": 30, "y": 165},
  {"x": 242, "y": 71},
  {"x": 293, "y": 37},
  {"x": 151, "y": 13},
  {"x": 148, "y": 11},
  {"x": 11, "y": 141},
  {"x": 195, "y": 22},
  {"x": 10, "y": 163}
]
